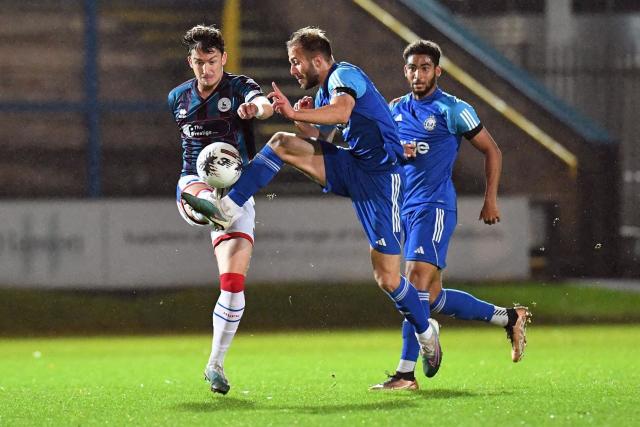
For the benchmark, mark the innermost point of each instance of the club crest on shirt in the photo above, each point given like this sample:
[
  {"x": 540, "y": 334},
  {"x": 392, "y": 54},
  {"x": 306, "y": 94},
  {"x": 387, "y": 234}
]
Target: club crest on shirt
[
  {"x": 430, "y": 123},
  {"x": 224, "y": 104}
]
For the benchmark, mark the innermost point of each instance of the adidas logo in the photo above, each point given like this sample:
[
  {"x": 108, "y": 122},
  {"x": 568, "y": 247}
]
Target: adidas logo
[
  {"x": 381, "y": 242},
  {"x": 419, "y": 251},
  {"x": 398, "y": 118}
]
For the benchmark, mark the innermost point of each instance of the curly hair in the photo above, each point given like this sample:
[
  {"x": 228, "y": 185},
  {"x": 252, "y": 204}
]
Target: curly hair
[{"x": 423, "y": 47}]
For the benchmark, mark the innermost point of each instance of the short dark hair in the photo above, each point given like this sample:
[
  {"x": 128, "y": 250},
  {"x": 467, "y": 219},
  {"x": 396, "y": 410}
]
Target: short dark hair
[
  {"x": 203, "y": 37},
  {"x": 423, "y": 47},
  {"x": 311, "y": 40}
]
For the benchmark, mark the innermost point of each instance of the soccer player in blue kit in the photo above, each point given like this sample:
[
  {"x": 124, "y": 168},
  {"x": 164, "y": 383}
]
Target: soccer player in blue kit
[
  {"x": 218, "y": 106},
  {"x": 368, "y": 171},
  {"x": 431, "y": 124}
]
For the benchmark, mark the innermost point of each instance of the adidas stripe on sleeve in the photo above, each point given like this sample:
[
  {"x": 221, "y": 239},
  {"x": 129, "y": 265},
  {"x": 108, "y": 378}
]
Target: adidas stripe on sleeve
[{"x": 465, "y": 118}]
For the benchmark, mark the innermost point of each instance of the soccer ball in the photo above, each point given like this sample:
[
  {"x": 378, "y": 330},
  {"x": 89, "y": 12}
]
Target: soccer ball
[{"x": 219, "y": 164}]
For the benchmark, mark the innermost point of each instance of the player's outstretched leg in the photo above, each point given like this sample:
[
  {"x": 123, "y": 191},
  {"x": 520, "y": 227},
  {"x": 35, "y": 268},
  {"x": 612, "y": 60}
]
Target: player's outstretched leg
[
  {"x": 464, "y": 306},
  {"x": 516, "y": 329},
  {"x": 222, "y": 211}
]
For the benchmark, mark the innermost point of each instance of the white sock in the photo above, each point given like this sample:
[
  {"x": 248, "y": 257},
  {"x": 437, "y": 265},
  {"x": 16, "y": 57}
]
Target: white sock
[
  {"x": 425, "y": 337},
  {"x": 499, "y": 317},
  {"x": 226, "y": 318},
  {"x": 406, "y": 366}
]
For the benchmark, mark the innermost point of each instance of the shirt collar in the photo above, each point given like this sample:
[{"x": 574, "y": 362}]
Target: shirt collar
[{"x": 429, "y": 98}]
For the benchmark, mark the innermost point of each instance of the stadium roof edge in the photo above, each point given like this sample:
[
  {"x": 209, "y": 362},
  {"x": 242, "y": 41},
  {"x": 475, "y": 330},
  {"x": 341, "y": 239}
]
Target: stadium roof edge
[{"x": 440, "y": 18}]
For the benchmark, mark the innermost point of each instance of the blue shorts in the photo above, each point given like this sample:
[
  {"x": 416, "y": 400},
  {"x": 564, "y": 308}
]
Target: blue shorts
[
  {"x": 376, "y": 196},
  {"x": 428, "y": 231}
]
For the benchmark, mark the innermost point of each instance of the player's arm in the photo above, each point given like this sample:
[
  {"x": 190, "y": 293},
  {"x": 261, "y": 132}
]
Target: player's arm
[
  {"x": 483, "y": 142},
  {"x": 307, "y": 130},
  {"x": 259, "y": 107},
  {"x": 338, "y": 111}
]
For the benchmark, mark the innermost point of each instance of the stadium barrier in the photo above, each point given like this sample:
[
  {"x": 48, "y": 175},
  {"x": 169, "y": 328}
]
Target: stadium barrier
[{"x": 123, "y": 244}]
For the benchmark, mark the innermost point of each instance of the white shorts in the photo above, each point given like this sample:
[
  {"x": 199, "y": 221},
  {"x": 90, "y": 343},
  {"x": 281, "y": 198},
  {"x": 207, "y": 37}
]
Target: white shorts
[{"x": 242, "y": 227}]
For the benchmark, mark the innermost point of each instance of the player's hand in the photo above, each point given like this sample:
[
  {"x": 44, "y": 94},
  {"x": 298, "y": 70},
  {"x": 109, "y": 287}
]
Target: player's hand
[
  {"x": 490, "y": 213},
  {"x": 303, "y": 103},
  {"x": 247, "y": 110},
  {"x": 280, "y": 102},
  {"x": 409, "y": 150}
]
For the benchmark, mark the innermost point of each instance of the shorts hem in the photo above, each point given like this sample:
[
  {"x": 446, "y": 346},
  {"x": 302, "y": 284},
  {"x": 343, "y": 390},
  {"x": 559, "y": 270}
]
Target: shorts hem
[
  {"x": 387, "y": 251},
  {"x": 440, "y": 267},
  {"x": 232, "y": 235}
]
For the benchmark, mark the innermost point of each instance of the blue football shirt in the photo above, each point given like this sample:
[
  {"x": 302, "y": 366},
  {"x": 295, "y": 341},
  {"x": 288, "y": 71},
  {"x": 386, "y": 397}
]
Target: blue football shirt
[
  {"x": 214, "y": 119},
  {"x": 436, "y": 125},
  {"x": 370, "y": 131}
]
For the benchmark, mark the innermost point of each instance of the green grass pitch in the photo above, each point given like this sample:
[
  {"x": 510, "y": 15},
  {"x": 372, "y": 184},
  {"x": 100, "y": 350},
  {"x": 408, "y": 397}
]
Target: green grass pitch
[{"x": 578, "y": 375}]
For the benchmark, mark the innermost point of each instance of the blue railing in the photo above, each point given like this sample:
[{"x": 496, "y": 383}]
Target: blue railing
[{"x": 440, "y": 18}]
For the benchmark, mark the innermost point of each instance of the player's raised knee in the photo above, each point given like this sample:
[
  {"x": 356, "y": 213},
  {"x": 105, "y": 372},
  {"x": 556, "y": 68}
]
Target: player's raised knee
[{"x": 280, "y": 142}]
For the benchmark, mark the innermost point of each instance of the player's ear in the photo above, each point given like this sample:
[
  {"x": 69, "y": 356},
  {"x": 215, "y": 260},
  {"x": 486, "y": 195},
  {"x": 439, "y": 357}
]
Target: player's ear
[
  {"x": 317, "y": 61},
  {"x": 223, "y": 60},
  {"x": 438, "y": 71}
]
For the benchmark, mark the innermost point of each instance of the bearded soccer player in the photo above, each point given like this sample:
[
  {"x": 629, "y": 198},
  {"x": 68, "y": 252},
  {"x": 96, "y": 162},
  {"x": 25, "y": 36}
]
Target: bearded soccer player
[
  {"x": 431, "y": 124},
  {"x": 368, "y": 171},
  {"x": 218, "y": 106}
]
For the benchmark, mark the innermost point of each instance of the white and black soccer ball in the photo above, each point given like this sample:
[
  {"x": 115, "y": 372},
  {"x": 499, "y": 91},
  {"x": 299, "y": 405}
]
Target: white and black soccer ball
[{"x": 219, "y": 164}]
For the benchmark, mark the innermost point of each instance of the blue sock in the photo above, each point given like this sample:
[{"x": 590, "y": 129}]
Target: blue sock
[
  {"x": 424, "y": 300},
  {"x": 410, "y": 346},
  {"x": 264, "y": 166},
  {"x": 408, "y": 303},
  {"x": 462, "y": 305}
]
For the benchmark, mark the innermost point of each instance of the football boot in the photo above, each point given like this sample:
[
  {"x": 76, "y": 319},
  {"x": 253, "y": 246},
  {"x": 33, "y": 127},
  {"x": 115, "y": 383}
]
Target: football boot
[
  {"x": 431, "y": 352},
  {"x": 214, "y": 375},
  {"x": 396, "y": 382},
  {"x": 210, "y": 209},
  {"x": 516, "y": 329}
]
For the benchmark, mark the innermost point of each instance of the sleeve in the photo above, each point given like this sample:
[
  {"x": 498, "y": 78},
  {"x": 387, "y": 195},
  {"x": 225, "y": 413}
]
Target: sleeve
[
  {"x": 249, "y": 89},
  {"x": 392, "y": 104},
  {"x": 465, "y": 120},
  {"x": 171, "y": 100},
  {"x": 347, "y": 80}
]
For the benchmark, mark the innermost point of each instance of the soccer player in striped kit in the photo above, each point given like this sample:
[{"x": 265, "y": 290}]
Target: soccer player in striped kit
[
  {"x": 431, "y": 124},
  {"x": 218, "y": 106},
  {"x": 368, "y": 171}
]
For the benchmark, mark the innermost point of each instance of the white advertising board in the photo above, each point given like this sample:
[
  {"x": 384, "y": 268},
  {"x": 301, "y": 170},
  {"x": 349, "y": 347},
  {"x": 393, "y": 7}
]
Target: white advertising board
[
  {"x": 126, "y": 244},
  {"x": 51, "y": 243},
  {"x": 490, "y": 252}
]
